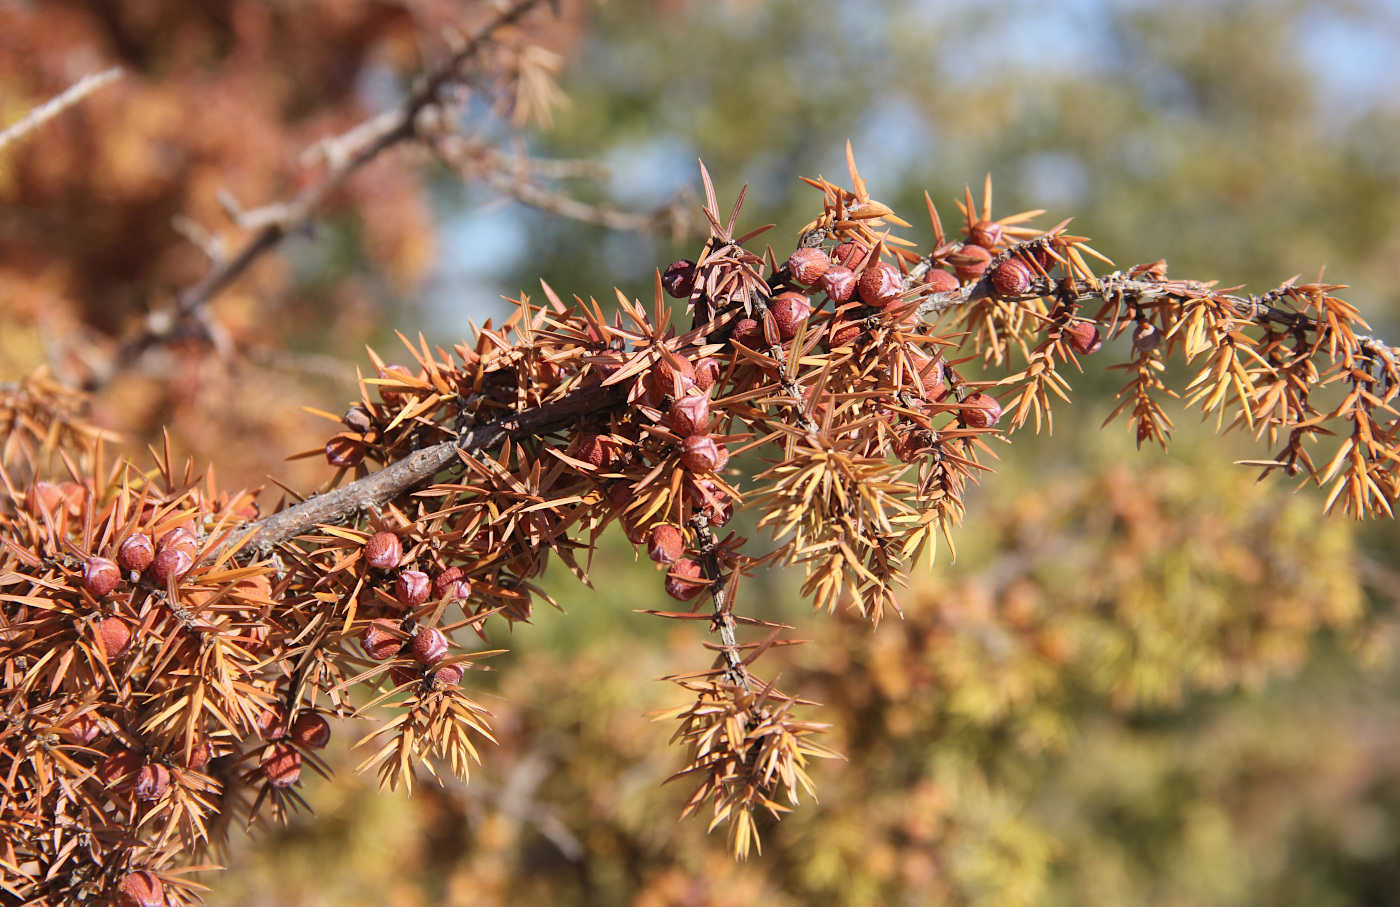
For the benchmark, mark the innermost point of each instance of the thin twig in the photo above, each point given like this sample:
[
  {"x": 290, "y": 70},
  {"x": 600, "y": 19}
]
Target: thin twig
[
  {"x": 370, "y": 139},
  {"x": 53, "y": 107}
]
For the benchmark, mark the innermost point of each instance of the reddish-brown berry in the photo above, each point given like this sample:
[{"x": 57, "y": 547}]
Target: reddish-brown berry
[
  {"x": 685, "y": 580},
  {"x": 180, "y": 539},
  {"x": 1084, "y": 338},
  {"x": 118, "y": 770},
  {"x": 849, "y": 254},
  {"x": 412, "y": 588},
  {"x": 282, "y": 766},
  {"x": 970, "y": 262},
  {"x": 447, "y": 676},
  {"x": 808, "y": 265},
  {"x": 707, "y": 372},
  {"x": 141, "y": 889},
  {"x": 749, "y": 333},
  {"x": 345, "y": 452},
  {"x": 152, "y": 781},
  {"x": 85, "y": 728},
  {"x": 452, "y": 585},
  {"x": 700, "y": 453},
  {"x": 429, "y": 646},
  {"x": 200, "y": 755},
  {"x": 1012, "y": 278},
  {"x": 839, "y": 284},
  {"x": 357, "y": 419},
  {"x": 1146, "y": 337},
  {"x": 600, "y": 451},
  {"x": 395, "y": 394},
  {"x": 169, "y": 565},
  {"x": 843, "y": 329},
  {"x": 311, "y": 731},
  {"x": 984, "y": 233},
  {"x": 790, "y": 311},
  {"x": 401, "y": 675},
  {"x": 382, "y": 639},
  {"x": 980, "y": 411},
  {"x": 116, "y": 635},
  {"x": 136, "y": 553},
  {"x": 675, "y": 379},
  {"x": 940, "y": 281},
  {"x": 665, "y": 543},
  {"x": 383, "y": 551},
  {"x": 100, "y": 576},
  {"x": 272, "y": 723},
  {"x": 678, "y": 280},
  {"x": 690, "y": 415},
  {"x": 43, "y": 497},
  {"x": 880, "y": 284}
]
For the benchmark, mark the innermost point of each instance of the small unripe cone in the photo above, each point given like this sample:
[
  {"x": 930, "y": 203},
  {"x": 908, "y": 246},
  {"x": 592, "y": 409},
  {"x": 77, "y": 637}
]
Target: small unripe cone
[
  {"x": 666, "y": 543},
  {"x": 880, "y": 284},
  {"x": 381, "y": 639},
  {"x": 1084, "y": 338},
  {"x": 394, "y": 397},
  {"x": 169, "y": 565},
  {"x": 429, "y": 646},
  {"x": 136, "y": 553},
  {"x": 116, "y": 635},
  {"x": 44, "y": 497},
  {"x": 690, "y": 415},
  {"x": 311, "y": 731},
  {"x": 412, "y": 588},
  {"x": 282, "y": 766},
  {"x": 700, "y": 453},
  {"x": 151, "y": 782},
  {"x": 452, "y": 585},
  {"x": 118, "y": 770},
  {"x": 707, "y": 372},
  {"x": 357, "y": 419},
  {"x": 839, "y": 283},
  {"x": 1146, "y": 337},
  {"x": 141, "y": 889},
  {"x": 682, "y": 581},
  {"x": 808, "y": 265},
  {"x": 85, "y": 728},
  {"x": 980, "y": 411},
  {"x": 100, "y": 576},
  {"x": 1012, "y": 278},
  {"x": 678, "y": 280},
  {"x": 984, "y": 233},
  {"x": 848, "y": 254},
  {"x": 181, "y": 539},
  {"x": 749, "y": 333},
  {"x": 447, "y": 676},
  {"x": 675, "y": 379},
  {"x": 790, "y": 310},
  {"x": 383, "y": 551},
  {"x": 940, "y": 281},
  {"x": 400, "y": 675},
  {"x": 970, "y": 262},
  {"x": 272, "y": 723},
  {"x": 600, "y": 451},
  {"x": 200, "y": 755},
  {"x": 345, "y": 452}
]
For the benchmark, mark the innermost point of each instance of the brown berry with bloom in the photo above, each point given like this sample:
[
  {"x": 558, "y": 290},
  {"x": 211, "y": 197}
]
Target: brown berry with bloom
[
  {"x": 201, "y": 754},
  {"x": 678, "y": 280},
  {"x": 690, "y": 415},
  {"x": 311, "y": 731},
  {"x": 749, "y": 333},
  {"x": 345, "y": 452},
  {"x": 839, "y": 284},
  {"x": 152, "y": 781},
  {"x": 169, "y": 565},
  {"x": 447, "y": 676},
  {"x": 970, "y": 262},
  {"x": 1012, "y": 278},
  {"x": 382, "y": 639},
  {"x": 282, "y": 766},
  {"x": 707, "y": 372},
  {"x": 452, "y": 584},
  {"x": 880, "y": 284},
  {"x": 790, "y": 311},
  {"x": 940, "y": 281},
  {"x": 984, "y": 233},
  {"x": 383, "y": 551},
  {"x": 180, "y": 539},
  {"x": 685, "y": 580},
  {"x": 980, "y": 411},
  {"x": 100, "y": 576},
  {"x": 412, "y": 588},
  {"x": 136, "y": 553},
  {"x": 808, "y": 265},
  {"x": 141, "y": 889},
  {"x": 116, "y": 635},
  {"x": 1084, "y": 338},
  {"x": 665, "y": 543},
  {"x": 849, "y": 254},
  {"x": 429, "y": 646},
  {"x": 675, "y": 375},
  {"x": 700, "y": 453}
]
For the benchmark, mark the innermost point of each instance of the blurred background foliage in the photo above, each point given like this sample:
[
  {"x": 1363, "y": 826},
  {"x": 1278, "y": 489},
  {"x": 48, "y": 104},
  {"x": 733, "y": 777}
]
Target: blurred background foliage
[{"x": 1145, "y": 680}]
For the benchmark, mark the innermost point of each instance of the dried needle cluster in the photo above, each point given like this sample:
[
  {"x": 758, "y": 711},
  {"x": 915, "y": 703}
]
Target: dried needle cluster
[{"x": 169, "y": 654}]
